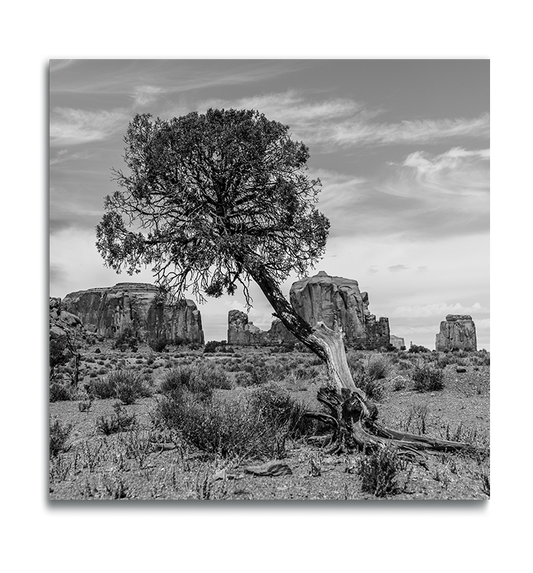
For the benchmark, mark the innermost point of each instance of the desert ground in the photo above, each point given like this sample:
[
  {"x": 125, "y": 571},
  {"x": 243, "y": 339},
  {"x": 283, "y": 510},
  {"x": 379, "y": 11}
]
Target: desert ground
[{"x": 204, "y": 424}]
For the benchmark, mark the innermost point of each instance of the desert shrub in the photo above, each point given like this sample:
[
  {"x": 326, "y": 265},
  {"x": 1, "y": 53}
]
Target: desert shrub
[
  {"x": 378, "y": 367},
  {"x": 127, "y": 339},
  {"x": 85, "y": 405},
  {"x": 201, "y": 381},
  {"x": 373, "y": 388},
  {"x": 225, "y": 428},
  {"x": 252, "y": 376},
  {"x": 281, "y": 409},
  {"x": 59, "y": 435},
  {"x": 416, "y": 349},
  {"x": 445, "y": 359},
  {"x": 255, "y": 426},
  {"x": 59, "y": 392},
  {"x": 158, "y": 344},
  {"x": 427, "y": 378},
  {"x": 120, "y": 421},
  {"x": 126, "y": 385},
  {"x": 399, "y": 383},
  {"x": 213, "y": 345},
  {"x": 59, "y": 353},
  {"x": 211, "y": 375},
  {"x": 103, "y": 388},
  {"x": 380, "y": 472},
  {"x": 176, "y": 379}
]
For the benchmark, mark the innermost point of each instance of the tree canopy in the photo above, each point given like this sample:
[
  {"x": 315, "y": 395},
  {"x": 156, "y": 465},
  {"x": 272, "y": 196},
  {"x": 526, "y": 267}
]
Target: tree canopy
[
  {"x": 209, "y": 199},
  {"x": 218, "y": 199}
]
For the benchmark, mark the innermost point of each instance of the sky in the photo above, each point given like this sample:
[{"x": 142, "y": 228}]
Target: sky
[{"x": 401, "y": 148}]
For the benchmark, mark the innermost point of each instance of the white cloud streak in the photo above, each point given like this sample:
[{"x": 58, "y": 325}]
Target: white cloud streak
[
  {"x": 75, "y": 126},
  {"x": 342, "y": 122}
]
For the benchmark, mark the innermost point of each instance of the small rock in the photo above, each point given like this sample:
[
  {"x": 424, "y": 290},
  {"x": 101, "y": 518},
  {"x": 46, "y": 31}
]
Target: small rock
[
  {"x": 220, "y": 475},
  {"x": 460, "y": 369},
  {"x": 273, "y": 468}
]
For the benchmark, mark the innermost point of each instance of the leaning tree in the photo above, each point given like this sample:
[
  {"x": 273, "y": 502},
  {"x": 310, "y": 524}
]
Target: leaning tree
[{"x": 214, "y": 201}]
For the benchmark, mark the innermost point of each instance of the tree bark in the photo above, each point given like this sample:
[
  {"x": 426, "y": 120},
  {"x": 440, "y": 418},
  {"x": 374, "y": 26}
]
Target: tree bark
[{"x": 323, "y": 341}]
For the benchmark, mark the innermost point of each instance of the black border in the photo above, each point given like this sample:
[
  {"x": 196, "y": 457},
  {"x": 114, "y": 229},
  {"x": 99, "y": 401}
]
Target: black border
[{"x": 131, "y": 510}]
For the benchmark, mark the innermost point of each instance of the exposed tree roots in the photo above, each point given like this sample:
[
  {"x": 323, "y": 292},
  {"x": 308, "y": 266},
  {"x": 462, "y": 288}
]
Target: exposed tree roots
[{"x": 353, "y": 419}]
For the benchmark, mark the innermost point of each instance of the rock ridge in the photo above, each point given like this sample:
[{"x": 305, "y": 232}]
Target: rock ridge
[{"x": 109, "y": 311}]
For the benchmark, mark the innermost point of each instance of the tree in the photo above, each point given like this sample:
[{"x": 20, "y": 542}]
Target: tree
[{"x": 216, "y": 200}]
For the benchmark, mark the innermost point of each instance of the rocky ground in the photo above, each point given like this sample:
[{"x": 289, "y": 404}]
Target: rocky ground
[{"x": 109, "y": 448}]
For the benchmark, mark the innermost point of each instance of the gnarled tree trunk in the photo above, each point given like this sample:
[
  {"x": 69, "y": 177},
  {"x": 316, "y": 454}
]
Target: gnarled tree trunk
[{"x": 352, "y": 416}]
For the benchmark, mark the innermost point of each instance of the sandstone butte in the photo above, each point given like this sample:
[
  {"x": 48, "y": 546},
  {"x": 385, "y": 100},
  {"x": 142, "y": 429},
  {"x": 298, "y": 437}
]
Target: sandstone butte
[
  {"x": 137, "y": 306},
  {"x": 319, "y": 298},
  {"x": 457, "y": 332}
]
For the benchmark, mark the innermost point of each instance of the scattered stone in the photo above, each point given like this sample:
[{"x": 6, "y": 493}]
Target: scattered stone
[{"x": 273, "y": 468}]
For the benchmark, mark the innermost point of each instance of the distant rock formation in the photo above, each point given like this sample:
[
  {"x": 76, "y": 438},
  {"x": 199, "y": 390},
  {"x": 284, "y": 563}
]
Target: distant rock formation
[
  {"x": 329, "y": 299},
  {"x": 397, "y": 341},
  {"x": 137, "y": 306},
  {"x": 242, "y": 332},
  {"x": 457, "y": 332},
  {"x": 62, "y": 324},
  {"x": 319, "y": 298}
]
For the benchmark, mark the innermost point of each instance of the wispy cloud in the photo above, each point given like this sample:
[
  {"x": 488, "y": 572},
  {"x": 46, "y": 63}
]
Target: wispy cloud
[
  {"x": 397, "y": 268},
  {"x": 144, "y": 95},
  {"x": 425, "y": 195},
  {"x": 56, "y": 65},
  {"x": 425, "y": 131},
  {"x": 312, "y": 121},
  {"x": 62, "y": 155},
  {"x": 457, "y": 161},
  {"x": 75, "y": 126},
  {"x": 342, "y": 122}
]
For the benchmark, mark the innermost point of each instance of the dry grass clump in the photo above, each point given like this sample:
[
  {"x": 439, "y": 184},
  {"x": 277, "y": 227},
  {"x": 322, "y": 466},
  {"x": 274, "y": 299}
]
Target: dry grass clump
[
  {"x": 253, "y": 425},
  {"x": 380, "y": 472},
  {"x": 126, "y": 385},
  {"x": 427, "y": 378},
  {"x": 201, "y": 380}
]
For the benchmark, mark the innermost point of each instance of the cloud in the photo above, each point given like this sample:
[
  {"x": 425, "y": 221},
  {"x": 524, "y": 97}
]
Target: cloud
[
  {"x": 440, "y": 309},
  {"x": 452, "y": 171},
  {"x": 56, "y": 65},
  {"x": 75, "y": 126},
  {"x": 431, "y": 131},
  {"x": 342, "y": 122},
  {"x": 310, "y": 121},
  {"x": 143, "y": 95},
  {"x": 63, "y": 155},
  {"x": 397, "y": 268},
  {"x": 422, "y": 196}
]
